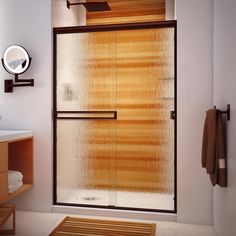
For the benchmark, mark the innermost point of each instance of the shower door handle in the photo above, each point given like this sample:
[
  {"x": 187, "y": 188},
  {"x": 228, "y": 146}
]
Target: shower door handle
[
  {"x": 172, "y": 115},
  {"x": 85, "y": 115}
]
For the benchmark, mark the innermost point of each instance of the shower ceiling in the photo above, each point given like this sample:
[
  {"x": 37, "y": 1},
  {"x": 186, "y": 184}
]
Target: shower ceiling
[{"x": 123, "y": 11}]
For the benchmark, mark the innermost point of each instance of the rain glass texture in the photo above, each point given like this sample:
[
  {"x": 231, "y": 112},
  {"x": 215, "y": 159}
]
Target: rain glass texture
[
  {"x": 145, "y": 132},
  {"x": 86, "y": 80},
  {"x": 128, "y": 162}
]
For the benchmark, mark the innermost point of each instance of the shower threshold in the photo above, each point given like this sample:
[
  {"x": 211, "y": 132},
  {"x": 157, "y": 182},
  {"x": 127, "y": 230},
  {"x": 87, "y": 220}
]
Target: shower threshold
[{"x": 142, "y": 200}]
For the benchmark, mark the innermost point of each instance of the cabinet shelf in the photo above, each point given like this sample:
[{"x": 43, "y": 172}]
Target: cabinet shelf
[
  {"x": 18, "y": 192},
  {"x": 16, "y": 154}
]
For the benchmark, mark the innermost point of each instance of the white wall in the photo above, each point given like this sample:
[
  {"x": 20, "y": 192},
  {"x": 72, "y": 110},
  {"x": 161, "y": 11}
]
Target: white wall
[
  {"x": 63, "y": 17},
  {"x": 28, "y": 23},
  {"x": 224, "y": 93},
  {"x": 170, "y": 10},
  {"x": 194, "y": 97}
]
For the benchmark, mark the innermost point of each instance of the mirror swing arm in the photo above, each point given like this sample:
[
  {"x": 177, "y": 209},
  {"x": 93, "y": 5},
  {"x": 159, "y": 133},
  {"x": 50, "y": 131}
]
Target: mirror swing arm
[{"x": 9, "y": 84}]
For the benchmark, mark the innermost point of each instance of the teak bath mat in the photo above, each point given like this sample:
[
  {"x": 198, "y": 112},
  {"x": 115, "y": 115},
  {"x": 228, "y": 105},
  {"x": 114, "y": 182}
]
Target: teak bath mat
[{"x": 89, "y": 227}]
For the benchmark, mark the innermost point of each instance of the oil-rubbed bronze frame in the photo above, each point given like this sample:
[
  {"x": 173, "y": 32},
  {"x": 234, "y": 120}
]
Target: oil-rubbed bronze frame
[{"x": 102, "y": 28}]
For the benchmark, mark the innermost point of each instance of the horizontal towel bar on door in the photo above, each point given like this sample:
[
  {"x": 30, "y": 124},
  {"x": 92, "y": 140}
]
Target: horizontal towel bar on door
[{"x": 85, "y": 115}]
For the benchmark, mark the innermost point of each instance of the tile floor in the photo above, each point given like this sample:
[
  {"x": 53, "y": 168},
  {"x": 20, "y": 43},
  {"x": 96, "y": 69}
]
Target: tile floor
[{"x": 41, "y": 224}]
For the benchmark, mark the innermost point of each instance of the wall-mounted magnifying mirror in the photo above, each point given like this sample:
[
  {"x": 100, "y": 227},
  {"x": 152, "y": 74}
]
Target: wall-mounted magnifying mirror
[{"x": 16, "y": 61}]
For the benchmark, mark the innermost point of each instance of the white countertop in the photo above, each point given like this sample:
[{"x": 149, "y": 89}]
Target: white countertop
[{"x": 11, "y": 135}]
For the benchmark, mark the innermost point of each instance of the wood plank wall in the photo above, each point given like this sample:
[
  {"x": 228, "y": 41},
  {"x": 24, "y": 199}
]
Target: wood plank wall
[{"x": 127, "y": 11}]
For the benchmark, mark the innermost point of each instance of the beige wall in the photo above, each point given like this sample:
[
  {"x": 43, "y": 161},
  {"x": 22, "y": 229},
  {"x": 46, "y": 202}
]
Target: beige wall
[
  {"x": 224, "y": 93},
  {"x": 170, "y": 10},
  {"x": 194, "y": 97},
  {"x": 62, "y": 16}
]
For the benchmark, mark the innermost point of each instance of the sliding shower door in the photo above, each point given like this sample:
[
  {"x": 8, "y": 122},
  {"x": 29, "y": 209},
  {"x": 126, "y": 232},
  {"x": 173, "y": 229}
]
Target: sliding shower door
[
  {"x": 86, "y": 118},
  {"x": 145, "y": 132},
  {"x": 114, "y": 122}
]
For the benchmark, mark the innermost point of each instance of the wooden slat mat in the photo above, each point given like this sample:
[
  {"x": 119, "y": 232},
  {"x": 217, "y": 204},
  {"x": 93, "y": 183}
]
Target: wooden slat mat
[{"x": 90, "y": 227}]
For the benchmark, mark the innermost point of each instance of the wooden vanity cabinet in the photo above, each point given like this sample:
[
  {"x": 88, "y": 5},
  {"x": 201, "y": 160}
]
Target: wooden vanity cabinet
[
  {"x": 3, "y": 171},
  {"x": 16, "y": 155}
]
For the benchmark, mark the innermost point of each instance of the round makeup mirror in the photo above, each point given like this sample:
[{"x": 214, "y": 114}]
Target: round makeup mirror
[{"x": 16, "y": 59}]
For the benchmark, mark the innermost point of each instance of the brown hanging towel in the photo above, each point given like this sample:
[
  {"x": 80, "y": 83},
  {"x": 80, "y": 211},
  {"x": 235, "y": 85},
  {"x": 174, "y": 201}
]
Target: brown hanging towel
[{"x": 213, "y": 148}]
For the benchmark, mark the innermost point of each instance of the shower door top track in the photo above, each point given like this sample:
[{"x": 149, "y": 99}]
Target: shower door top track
[{"x": 115, "y": 27}]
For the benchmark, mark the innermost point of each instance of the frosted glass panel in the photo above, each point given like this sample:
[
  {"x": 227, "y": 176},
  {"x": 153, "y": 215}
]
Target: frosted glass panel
[
  {"x": 86, "y": 71},
  {"x": 145, "y": 133},
  {"x": 86, "y": 82},
  {"x": 84, "y": 154}
]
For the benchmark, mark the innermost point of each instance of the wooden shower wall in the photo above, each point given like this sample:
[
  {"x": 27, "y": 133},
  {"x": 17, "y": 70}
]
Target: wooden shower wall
[{"x": 124, "y": 11}]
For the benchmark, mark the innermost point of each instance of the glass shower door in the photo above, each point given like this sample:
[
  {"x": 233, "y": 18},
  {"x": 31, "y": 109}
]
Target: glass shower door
[
  {"x": 86, "y": 118},
  {"x": 115, "y": 138},
  {"x": 145, "y": 131}
]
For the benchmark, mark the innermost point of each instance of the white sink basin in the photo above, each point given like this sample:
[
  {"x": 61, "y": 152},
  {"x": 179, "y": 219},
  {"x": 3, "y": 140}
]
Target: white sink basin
[{"x": 10, "y": 135}]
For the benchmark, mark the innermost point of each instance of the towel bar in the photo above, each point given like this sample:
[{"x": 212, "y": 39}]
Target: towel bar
[{"x": 227, "y": 112}]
